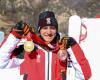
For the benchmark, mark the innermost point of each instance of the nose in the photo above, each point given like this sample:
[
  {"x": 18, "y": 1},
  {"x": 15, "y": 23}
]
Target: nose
[{"x": 49, "y": 30}]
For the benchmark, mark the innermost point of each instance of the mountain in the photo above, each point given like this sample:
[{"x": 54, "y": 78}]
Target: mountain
[{"x": 12, "y": 11}]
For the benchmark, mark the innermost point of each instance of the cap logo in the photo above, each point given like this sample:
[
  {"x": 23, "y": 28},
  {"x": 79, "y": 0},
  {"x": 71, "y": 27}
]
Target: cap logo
[{"x": 48, "y": 20}]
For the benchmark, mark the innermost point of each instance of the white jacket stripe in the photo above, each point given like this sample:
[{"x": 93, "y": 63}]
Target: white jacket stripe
[
  {"x": 78, "y": 71},
  {"x": 48, "y": 60}
]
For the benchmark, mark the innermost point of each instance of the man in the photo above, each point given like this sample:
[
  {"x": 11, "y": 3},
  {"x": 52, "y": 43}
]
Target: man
[{"x": 48, "y": 60}]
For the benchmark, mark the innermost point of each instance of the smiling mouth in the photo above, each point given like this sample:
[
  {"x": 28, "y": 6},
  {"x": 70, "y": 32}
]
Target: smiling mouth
[{"x": 50, "y": 35}]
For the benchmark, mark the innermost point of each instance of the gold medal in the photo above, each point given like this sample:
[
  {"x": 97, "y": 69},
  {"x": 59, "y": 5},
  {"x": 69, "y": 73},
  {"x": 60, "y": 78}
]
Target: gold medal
[{"x": 28, "y": 46}]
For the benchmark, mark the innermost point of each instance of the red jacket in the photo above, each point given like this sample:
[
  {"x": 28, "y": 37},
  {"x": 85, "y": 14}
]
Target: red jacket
[{"x": 43, "y": 64}]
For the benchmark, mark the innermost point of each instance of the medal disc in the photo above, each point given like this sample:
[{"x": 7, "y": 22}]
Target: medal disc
[{"x": 28, "y": 46}]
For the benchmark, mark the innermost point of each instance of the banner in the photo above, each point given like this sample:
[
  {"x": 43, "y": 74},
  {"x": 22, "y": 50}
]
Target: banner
[{"x": 86, "y": 31}]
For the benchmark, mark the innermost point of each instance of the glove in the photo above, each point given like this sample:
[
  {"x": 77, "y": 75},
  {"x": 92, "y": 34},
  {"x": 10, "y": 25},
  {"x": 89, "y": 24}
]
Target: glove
[
  {"x": 71, "y": 42},
  {"x": 21, "y": 28},
  {"x": 62, "y": 43}
]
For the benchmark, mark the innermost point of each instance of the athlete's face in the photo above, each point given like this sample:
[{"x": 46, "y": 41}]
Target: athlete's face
[{"x": 48, "y": 33}]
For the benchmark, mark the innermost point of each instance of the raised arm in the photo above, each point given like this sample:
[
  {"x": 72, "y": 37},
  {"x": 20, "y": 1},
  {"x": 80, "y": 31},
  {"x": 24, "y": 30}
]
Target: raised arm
[{"x": 9, "y": 44}]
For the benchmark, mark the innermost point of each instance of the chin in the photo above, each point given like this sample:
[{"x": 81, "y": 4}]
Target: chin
[{"x": 48, "y": 41}]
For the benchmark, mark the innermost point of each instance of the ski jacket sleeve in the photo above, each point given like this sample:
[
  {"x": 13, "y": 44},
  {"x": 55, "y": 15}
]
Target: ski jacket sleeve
[
  {"x": 6, "y": 48},
  {"x": 79, "y": 61}
]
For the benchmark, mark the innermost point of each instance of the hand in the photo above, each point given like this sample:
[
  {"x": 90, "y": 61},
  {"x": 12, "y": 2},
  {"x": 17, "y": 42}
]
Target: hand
[
  {"x": 62, "y": 43},
  {"x": 22, "y": 28}
]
